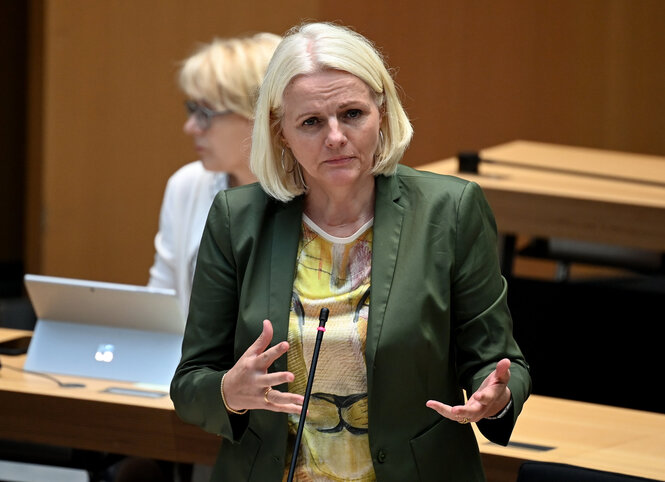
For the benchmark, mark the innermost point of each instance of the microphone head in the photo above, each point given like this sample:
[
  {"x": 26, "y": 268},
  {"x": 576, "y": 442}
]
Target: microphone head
[
  {"x": 468, "y": 161},
  {"x": 323, "y": 316}
]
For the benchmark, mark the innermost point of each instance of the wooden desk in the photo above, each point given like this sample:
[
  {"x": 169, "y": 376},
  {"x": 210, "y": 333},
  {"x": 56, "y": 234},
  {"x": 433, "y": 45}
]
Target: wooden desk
[
  {"x": 547, "y": 190},
  {"x": 35, "y": 409},
  {"x": 584, "y": 434}
]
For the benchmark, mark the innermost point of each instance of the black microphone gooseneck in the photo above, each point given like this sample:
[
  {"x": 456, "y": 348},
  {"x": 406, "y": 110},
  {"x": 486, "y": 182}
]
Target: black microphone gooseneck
[{"x": 323, "y": 317}]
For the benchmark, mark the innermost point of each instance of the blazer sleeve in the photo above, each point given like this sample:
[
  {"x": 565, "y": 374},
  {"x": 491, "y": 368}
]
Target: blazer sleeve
[
  {"x": 482, "y": 320},
  {"x": 208, "y": 344}
]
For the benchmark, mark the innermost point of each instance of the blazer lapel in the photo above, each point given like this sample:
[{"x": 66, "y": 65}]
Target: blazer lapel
[
  {"x": 286, "y": 234},
  {"x": 388, "y": 215}
]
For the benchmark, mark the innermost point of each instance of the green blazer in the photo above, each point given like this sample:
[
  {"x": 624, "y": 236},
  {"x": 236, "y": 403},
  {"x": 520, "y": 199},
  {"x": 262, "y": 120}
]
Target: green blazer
[{"x": 438, "y": 323}]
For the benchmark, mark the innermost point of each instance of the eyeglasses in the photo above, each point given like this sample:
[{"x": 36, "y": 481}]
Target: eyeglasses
[{"x": 202, "y": 115}]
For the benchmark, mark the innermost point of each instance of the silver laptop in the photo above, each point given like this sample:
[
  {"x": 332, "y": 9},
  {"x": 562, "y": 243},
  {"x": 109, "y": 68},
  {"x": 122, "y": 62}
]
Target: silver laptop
[{"x": 104, "y": 330}]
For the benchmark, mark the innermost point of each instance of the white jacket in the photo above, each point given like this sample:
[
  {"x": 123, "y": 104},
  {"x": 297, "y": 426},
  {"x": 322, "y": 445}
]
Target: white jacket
[{"x": 187, "y": 199}]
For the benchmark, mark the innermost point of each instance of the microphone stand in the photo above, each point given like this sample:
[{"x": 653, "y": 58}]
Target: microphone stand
[{"x": 323, "y": 317}]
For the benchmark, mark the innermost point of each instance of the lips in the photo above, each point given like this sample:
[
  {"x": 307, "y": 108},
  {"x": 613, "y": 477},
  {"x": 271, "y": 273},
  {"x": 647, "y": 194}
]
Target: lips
[{"x": 339, "y": 159}]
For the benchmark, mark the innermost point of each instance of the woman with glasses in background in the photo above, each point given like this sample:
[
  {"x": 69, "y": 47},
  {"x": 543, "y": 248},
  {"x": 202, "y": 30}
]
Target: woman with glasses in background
[{"x": 221, "y": 80}]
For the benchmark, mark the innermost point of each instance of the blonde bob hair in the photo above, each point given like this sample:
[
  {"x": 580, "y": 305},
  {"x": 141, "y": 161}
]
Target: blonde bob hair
[
  {"x": 226, "y": 73},
  {"x": 310, "y": 48}
]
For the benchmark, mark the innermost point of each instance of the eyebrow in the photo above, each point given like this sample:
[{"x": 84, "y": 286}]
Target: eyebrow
[{"x": 342, "y": 106}]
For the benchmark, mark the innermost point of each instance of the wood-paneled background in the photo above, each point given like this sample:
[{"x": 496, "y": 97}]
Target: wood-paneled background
[{"x": 104, "y": 129}]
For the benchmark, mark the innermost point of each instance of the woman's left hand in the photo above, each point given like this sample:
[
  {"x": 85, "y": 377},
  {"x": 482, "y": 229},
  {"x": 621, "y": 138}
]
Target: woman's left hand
[{"x": 491, "y": 397}]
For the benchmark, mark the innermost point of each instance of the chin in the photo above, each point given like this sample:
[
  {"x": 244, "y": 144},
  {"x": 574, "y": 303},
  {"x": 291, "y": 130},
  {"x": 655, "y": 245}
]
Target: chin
[
  {"x": 347, "y": 179},
  {"x": 212, "y": 165}
]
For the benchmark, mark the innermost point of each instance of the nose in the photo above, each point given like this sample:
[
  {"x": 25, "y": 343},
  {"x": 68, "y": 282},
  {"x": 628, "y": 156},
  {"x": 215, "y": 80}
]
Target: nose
[
  {"x": 190, "y": 126},
  {"x": 336, "y": 136}
]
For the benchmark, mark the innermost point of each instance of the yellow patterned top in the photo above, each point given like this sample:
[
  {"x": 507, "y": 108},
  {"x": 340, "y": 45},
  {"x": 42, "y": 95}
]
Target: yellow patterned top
[{"x": 334, "y": 273}]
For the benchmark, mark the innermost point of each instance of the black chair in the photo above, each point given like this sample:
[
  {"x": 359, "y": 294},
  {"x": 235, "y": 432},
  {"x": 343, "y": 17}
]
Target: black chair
[
  {"x": 17, "y": 312},
  {"x": 532, "y": 471}
]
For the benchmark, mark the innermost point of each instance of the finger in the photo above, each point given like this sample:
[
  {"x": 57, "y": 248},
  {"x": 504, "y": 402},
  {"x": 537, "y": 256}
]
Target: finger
[
  {"x": 277, "y": 397},
  {"x": 269, "y": 356},
  {"x": 477, "y": 405},
  {"x": 459, "y": 413},
  {"x": 278, "y": 378},
  {"x": 441, "y": 408},
  {"x": 499, "y": 377},
  {"x": 487, "y": 396},
  {"x": 284, "y": 408},
  {"x": 488, "y": 402},
  {"x": 502, "y": 370},
  {"x": 481, "y": 398},
  {"x": 471, "y": 411},
  {"x": 264, "y": 339},
  {"x": 278, "y": 401}
]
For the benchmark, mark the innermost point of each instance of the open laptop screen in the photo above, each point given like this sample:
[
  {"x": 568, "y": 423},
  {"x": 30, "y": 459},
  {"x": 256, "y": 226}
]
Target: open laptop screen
[{"x": 104, "y": 330}]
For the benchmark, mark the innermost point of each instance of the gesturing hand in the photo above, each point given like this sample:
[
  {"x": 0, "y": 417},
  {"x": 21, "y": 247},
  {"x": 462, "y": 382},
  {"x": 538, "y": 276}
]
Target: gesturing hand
[
  {"x": 247, "y": 385},
  {"x": 490, "y": 398}
]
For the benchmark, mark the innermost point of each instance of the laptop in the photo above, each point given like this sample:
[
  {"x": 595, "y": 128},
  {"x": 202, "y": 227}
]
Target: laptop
[{"x": 104, "y": 330}]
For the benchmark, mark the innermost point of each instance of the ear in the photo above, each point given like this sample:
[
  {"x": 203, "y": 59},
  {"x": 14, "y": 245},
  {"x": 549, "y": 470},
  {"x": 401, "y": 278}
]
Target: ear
[
  {"x": 382, "y": 111},
  {"x": 276, "y": 129},
  {"x": 283, "y": 140}
]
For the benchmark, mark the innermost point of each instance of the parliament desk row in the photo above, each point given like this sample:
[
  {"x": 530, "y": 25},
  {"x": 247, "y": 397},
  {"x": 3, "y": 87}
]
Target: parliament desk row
[
  {"x": 548, "y": 191},
  {"x": 36, "y": 409}
]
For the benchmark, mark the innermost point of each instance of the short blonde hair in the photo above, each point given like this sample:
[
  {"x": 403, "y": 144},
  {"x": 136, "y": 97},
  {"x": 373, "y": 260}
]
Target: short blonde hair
[
  {"x": 310, "y": 48},
  {"x": 227, "y": 73}
]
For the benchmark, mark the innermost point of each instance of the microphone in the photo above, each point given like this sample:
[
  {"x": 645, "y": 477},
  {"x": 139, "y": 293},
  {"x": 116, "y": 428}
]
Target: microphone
[
  {"x": 323, "y": 317},
  {"x": 468, "y": 161}
]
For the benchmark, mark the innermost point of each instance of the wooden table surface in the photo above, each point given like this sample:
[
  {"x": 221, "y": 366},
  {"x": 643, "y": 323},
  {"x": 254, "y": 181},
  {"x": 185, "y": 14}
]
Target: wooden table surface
[
  {"x": 589, "y": 435},
  {"x": 549, "y": 190}
]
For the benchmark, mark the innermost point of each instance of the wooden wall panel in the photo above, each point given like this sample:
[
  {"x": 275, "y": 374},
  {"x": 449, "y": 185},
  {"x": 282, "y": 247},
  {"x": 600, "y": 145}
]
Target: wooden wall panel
[
  {"x": 478, "y": 73},
  {"x": 474, "y": 74}
]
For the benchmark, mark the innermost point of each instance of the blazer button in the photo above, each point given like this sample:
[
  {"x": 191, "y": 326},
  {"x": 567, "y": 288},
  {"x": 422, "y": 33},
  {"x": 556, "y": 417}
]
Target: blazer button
[{"x": 381, "y": 456}]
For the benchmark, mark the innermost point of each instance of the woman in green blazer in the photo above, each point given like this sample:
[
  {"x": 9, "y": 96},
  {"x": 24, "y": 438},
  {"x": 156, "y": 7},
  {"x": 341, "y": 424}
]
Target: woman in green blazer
[{"x": 406, "y": 261}]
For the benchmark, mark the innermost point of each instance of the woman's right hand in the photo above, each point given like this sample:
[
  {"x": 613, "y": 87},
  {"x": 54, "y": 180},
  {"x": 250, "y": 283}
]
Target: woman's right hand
[{"x": 248, "y": 385}]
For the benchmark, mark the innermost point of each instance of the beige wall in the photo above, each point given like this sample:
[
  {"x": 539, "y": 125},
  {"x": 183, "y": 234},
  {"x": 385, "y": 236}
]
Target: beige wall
[{"x": 106, "y": 115}]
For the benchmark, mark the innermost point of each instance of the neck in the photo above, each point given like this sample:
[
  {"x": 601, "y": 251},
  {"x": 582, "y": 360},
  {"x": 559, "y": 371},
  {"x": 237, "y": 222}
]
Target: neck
[
  {"x": 241, "y": 178},
  {"x": 340, "y": 215}
]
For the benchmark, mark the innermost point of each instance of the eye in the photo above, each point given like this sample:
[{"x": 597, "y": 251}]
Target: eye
[
  {"x": 311, "y": 121},
  {"x": 353, "y": 113}
]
